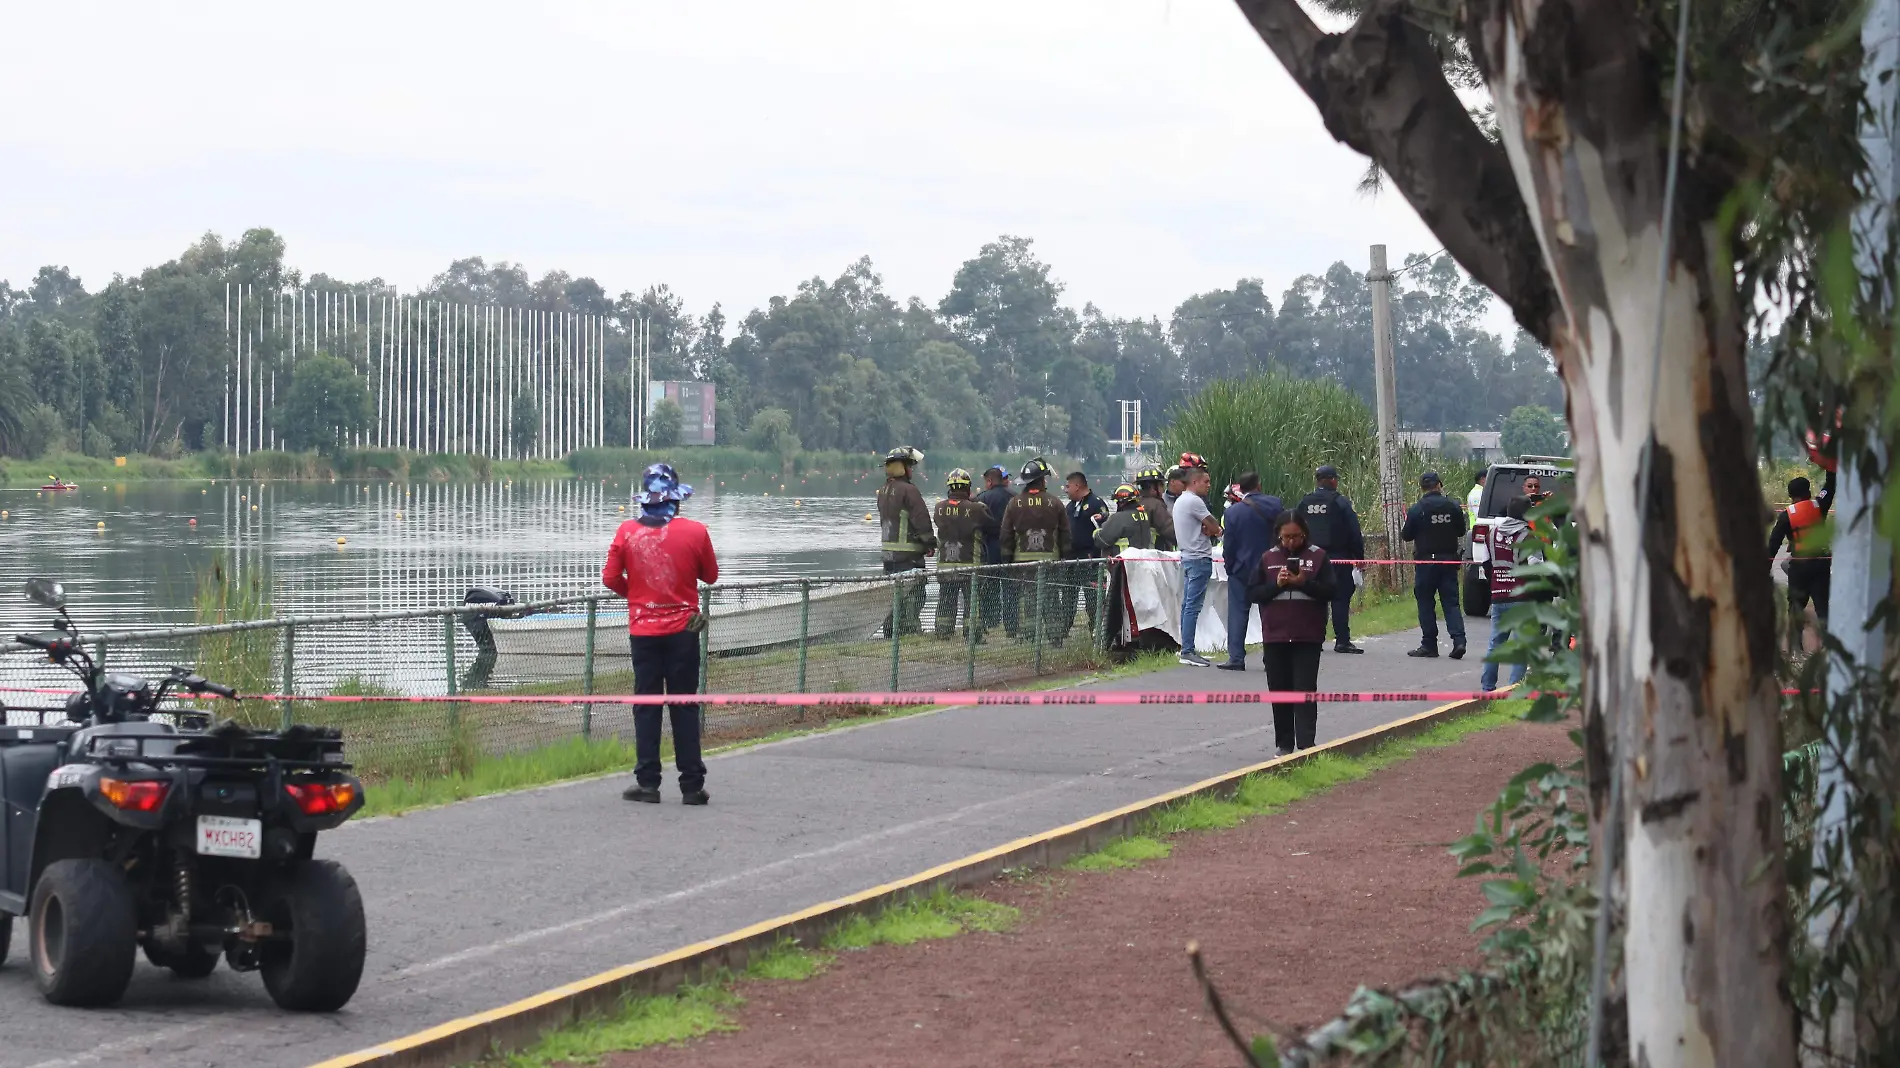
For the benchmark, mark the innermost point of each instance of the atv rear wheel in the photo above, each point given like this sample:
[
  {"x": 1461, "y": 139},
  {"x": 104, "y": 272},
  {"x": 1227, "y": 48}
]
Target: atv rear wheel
[
  {"x": 316, "y": 965},
  {"x": 195, "y": 963},
  {"x": 83, "y": 932}
]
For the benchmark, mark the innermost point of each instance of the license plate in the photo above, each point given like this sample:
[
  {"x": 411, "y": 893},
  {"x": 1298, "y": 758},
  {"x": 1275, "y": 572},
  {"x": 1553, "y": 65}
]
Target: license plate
[{"x": 222, "y": 836}]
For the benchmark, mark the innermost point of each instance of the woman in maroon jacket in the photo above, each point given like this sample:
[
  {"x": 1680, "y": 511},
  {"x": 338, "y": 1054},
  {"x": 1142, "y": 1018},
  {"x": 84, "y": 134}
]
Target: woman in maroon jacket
[{"x": 1293, "y": 588}]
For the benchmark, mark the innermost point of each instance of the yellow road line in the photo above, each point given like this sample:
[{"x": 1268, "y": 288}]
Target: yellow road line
[{"x": 412, "y": 1044}]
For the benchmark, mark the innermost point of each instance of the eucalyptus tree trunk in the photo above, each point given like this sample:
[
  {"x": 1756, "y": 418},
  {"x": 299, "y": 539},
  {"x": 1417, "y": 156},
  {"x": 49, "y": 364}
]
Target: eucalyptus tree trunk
[{"x": 1564, "y": 221}]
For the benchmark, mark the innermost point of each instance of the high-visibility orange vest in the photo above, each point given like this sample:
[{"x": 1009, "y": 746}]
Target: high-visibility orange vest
[{"x": 1807, "y": 529}]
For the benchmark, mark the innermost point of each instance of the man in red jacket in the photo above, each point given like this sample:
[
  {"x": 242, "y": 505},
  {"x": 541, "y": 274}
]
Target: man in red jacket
[{"x": 657, "y": 563}]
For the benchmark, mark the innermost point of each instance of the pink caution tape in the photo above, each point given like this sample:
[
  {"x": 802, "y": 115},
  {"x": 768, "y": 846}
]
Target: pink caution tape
[{"x": 905, "y": 699}]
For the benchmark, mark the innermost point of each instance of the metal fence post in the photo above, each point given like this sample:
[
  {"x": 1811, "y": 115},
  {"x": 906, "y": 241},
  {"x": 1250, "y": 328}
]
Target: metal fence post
[
  {"x": 804, "y": 633},
  {"x": 1101, "y": 605},
  {"x": 897, "y": 592},
  {"x": 290, "y": 671},
  {"x": 448, "y": 662},
  {"x": 970, "y": 625},
  {"x": 1042, "y": 574},
  {"x": 587, "y": 669},
  {"x": 99, "y": 653},
  {"x": 705, "y": 642}
]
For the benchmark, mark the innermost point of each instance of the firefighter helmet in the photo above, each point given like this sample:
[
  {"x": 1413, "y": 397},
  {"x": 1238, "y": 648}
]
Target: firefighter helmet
[
  {"x": 1037, "y": 468},
  {"x": 903, "y": 454},
  {"x": 1233, "y": 494},
  {"x": 958, "y": 477},
  {"x": 1151, "y": 473},
  {"x": 1193, "y": 459},
  {"x": 1125, "y": 493}
]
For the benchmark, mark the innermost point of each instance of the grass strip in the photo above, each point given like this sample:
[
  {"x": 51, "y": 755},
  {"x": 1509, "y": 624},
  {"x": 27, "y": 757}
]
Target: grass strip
[
  {"x": 706, "y": 1007},
  {"x": 1266, "y": 792}
]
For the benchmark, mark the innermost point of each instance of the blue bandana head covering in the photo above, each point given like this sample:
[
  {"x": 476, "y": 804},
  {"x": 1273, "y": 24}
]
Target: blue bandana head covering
[
  {"x": 660, "y": 485},
  {"x": 661, "y": 492}
]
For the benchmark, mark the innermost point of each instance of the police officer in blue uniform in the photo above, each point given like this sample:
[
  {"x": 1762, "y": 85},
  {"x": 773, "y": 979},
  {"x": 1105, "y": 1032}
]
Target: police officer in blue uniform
[
  {"x": 1087, "y": 512},
  {"x": 1433, "y": 526},
  {"x": 1332, "y": 525},
  {"x": 995, "y": 498}
]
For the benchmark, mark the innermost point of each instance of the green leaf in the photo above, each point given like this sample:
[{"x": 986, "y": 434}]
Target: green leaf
[
  {"x": 1493, "y": 916},
  {"x": 1512, "y": 892}
]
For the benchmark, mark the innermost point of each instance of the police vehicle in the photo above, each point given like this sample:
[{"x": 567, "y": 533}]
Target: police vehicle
[{"x": 1502, "y": 482}]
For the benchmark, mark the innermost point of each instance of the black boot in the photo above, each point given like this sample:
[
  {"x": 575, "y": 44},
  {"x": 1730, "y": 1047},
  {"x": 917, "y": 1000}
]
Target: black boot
[
  {"x": 636, "y": 792},
  {"x": 1458, "y": 650},
  {"x": 1423, "y": 650},
  {"x": 694, "y": 797},
  {"x": 1346, "y": 647}
]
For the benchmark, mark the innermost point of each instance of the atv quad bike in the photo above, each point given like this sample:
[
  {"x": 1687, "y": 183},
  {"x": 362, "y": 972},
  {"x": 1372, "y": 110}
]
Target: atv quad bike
[{"x": 192, "y": 842}]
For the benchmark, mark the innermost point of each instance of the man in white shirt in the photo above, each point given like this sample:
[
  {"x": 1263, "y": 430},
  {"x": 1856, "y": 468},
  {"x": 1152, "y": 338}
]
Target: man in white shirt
[
  {"x": 1195, "y": 529},
  {"x": 1475, "y": 497}
]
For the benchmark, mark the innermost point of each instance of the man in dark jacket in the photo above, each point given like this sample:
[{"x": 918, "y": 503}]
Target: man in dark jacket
[
  {"x": 1035, "y": 529},
  {"x": 1087, "y": 512},
  {"x": 1148, "y": 484},
  {"x": 1433, "y": 526},
  {"x": 1335, "y": 528},
  {"x": 904, "y": 520},
  {"x": 1247, "y": 530},
  {"x": 959, "y": 549},
  {"x": 995, "y": 499}
]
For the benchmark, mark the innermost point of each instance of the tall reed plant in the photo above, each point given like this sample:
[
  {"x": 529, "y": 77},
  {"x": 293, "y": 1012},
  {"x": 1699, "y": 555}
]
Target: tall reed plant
[
  {"x": 1284, "y": 427},
  {"x": 243, "y": 659}
]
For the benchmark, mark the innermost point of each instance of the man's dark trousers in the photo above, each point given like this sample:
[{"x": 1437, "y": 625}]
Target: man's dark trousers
[
  {"x": 1440, "y": 580},
  {"x": 1343, "y": 590},
  {"x": 667, "y": 663},
  {"x": 1239, "y": 612}
]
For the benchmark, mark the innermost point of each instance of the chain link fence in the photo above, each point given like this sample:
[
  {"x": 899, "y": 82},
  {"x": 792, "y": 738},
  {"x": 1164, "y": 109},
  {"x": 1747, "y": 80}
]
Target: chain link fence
[{"x": 943, "y": 629}]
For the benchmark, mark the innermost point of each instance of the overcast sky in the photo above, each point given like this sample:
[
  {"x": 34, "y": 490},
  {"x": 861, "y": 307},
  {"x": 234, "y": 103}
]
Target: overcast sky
[{"x": 1152, "y": 148}]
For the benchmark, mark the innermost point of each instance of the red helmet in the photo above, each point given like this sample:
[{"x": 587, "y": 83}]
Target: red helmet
[
  {"x": 1193, "y": 459},
  {"x": 1233, "y": 494},
  {"x": 1821, "y": 448}
]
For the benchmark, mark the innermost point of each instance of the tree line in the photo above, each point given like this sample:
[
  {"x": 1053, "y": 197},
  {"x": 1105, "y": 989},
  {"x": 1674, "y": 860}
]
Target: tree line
[{"x": 1002, "y": 359}]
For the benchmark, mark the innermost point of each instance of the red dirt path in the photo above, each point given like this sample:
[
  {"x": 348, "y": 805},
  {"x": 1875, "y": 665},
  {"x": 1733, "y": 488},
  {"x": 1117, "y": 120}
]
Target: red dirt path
[{"x": 1292, "y": 911}]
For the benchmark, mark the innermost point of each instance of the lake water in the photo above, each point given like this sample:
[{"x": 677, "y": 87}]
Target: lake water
[{"x": 407, "y": 545}]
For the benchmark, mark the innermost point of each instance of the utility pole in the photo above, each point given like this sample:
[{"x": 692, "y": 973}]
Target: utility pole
[{"x": 1385, "y": 386}]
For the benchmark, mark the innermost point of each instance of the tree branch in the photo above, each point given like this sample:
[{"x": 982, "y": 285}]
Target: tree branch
[
  {"x": 1380, "y": 89},
  {"x": 1220, "y": 1009}
]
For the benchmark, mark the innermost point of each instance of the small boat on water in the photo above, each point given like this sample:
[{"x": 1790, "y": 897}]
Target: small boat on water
[
  {"x": 57, "y": 484},
  {"x": 555, "y": 644}
]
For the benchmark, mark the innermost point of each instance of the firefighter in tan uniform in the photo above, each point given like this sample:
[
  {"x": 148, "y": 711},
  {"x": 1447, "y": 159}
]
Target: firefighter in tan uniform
[
  {"x": 1035, "y": 530},
  {"x": 960, "y": 522},
  {"x": 904, "y": 520}
]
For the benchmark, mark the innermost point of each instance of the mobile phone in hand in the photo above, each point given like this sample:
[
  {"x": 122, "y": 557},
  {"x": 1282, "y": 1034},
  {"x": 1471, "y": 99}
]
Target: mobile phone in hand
[{"x": 1293, "y": 565}]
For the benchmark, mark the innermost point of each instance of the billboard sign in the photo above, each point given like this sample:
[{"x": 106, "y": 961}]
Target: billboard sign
[{"x": 697, "y": 403}]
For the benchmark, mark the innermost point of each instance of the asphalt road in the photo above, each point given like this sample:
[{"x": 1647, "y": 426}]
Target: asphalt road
[{"x": 478, "y": 904}]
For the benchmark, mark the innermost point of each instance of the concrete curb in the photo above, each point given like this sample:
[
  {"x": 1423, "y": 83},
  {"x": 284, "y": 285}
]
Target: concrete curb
[{"x": 519, "y": 1024}]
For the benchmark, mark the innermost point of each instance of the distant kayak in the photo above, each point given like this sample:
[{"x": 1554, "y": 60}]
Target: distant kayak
[{"x": 60, "y": 486}]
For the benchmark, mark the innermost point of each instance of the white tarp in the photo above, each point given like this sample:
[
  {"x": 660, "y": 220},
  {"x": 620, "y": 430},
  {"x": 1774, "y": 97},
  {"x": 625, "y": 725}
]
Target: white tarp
[{"x": 1154, "y": 589}]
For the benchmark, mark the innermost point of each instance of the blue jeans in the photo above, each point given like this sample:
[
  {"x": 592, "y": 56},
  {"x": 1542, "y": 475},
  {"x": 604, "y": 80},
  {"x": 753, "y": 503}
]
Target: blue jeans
[
  {"x": 1194, "y": 576},
  {"x": 1488, "y": 679},
  {"x": 1238, "y": 610}
]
